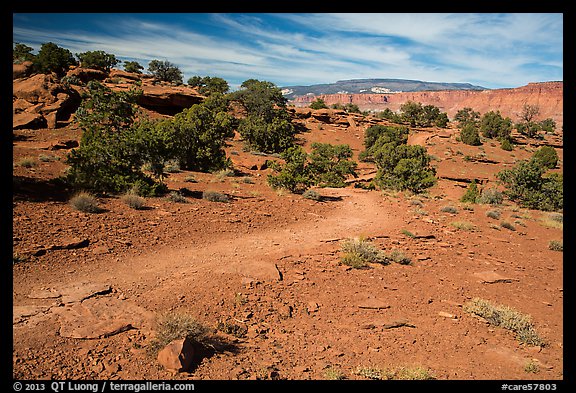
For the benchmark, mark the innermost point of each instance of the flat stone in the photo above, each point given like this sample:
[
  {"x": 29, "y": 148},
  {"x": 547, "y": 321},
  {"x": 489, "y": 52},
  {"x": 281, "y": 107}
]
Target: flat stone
[
  {"x": 491, "y": 277},
  {"x": 79, "y": 291},
  {"x": 21, "y": 313},
  {"x": 44, "y": 293},
  {"x": 100, "y": 317}
]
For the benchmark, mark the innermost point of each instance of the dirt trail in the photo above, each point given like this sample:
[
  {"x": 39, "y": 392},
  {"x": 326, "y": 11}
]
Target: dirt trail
[{"x": 254, "y": 256}]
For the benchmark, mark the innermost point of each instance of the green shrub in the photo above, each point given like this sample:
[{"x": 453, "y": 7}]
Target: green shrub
[
  {"x": 199, "y": 134},
  {"x": 52, "y": 58},
  {"x": 505, "y": 144},
  {"x": 99, "y": 60},
  {"x": 113, "y": 148},
  {"x": 493, "y": 125},
  {"x": 207, "y": 85},
  {"x": 471, "y": 194},
  {"x": 326, "y": 166},
  {"x": 469, "y": 134},
  {"x": 215, "y": 196},
  {"x": 330, "y": 164},
  {"x": 85, "y": 202},
  {"x": 547, "y": 157},
  {"x": 318, "y": 104},
  {"x": 165, "y": 71},
  {"x": 273, "y": 135},
  {"x": 527, "y": 185},
  {"x": 133, "y": 66}
]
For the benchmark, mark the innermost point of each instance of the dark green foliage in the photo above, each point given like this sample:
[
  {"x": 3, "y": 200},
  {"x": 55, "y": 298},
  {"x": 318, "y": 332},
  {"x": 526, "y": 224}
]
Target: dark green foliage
[
  {"x": 111, "y": 150},
  {"x": 267, "y": 127},
  {"x": 505, "y": 144},
  {"x": 467, "y": 115},
  {"x": 268, "y": 136},
  {"x": 527, "y": 185},
  {"x": 21, "y": 53},
  {"x": 326, "y": 166},
  {"x": 417, "y": 115},
  {"x": 293, "y": 175},
  {"x": 469, "y": 134},
  {"x": 493, "y": 125},
  {"x": 259, "y": 98},
  {"x": 133, "y": 66},
  {"x": 208, "y": 85},
  {"x": 165, "y": 71},
  {"x": 52, "y": 58},
  {"x": 330, "y": 164},
  {"x": 400, "y": 166},
  {"x": 99, "y": 60},
  {"x": 378, "y": 135},
  {"x": 471, "y": 194},
  {"x": 199, "y": 134},
  {"x": 548, "y": 125},
  {"x": 388, "y": 114},
  {"x": 404, "y": 167},
  {"x": 318, "y": 104},
  {"x": 547, "y": 156}
]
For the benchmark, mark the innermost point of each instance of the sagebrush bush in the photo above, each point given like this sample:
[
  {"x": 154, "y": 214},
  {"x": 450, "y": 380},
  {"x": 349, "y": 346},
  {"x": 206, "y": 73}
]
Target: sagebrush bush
[
  {"x": 215, "y": 196},
  {"x": 493, "y": 214},
  {"x": 175, "y": 196},
  {"x": 134, "y": 201},
  {"x": 507, "y": 318},
  {"x": 85, "y": 202},
  {"x": 173, "y": 326},
  {"x": 490, "y": 196},
  {"x": 312, "y": 194},
  {"x": 556, "y": 245},
  {"x": 358, "y": 252},
  {"x": 449, "y": 209}
]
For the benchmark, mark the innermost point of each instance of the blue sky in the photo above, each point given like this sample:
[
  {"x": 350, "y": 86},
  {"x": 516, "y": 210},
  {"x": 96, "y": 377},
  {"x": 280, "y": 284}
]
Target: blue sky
[{"x": 487, "y": 49}]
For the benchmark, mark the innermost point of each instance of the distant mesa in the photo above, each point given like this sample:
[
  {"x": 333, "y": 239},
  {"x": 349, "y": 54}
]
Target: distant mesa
[{"x": 371, "y": 86}]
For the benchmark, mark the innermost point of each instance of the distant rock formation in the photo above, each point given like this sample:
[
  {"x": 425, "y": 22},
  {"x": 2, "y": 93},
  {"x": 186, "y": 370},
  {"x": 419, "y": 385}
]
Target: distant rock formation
[{"x": 549, "y": 96}]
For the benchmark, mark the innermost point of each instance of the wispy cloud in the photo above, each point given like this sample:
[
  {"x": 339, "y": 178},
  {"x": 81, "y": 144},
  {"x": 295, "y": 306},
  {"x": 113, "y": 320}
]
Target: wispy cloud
[{"x": 495, "y": 50}]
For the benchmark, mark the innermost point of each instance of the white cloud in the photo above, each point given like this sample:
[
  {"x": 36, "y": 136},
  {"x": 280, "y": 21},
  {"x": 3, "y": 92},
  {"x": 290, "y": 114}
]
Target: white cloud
[{"x": 502, "y": 50}]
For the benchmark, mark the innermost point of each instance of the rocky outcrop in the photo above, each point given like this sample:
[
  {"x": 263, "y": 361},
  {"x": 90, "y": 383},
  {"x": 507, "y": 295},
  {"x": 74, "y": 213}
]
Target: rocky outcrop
[
  {"x": 547, "y": 95},
  {"x": 42, "y": 100}
]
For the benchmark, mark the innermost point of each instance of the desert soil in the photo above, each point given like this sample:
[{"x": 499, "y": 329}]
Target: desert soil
[{"x": 87, "y": 288}]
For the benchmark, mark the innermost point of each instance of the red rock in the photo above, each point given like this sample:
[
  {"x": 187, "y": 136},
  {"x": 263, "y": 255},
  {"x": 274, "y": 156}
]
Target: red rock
[{"x": 177, "y": 356}]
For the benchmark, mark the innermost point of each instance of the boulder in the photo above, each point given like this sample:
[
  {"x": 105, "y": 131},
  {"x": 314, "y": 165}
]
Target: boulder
[
  {"x": 178, "y": 355},
  {"x": 168, "y": 99}
]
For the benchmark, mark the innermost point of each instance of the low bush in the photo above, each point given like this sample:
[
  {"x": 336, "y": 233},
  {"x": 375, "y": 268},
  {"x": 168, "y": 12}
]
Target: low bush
[
  {"x": 85, "y": 202},
  {"x": 134, "y": 201},
  {"x": 507, "y": 318},
  {"x": 556, "y": 245},
  {"x": 215, "y": 196},
  {"x": 174, "y": 326}
]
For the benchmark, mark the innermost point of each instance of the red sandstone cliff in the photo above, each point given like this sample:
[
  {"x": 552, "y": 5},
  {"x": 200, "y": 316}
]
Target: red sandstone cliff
[{"x": 547, "y": 95}]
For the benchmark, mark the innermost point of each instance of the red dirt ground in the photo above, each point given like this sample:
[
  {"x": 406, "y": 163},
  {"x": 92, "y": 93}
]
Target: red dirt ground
[{"x": 269, "y": 263}]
